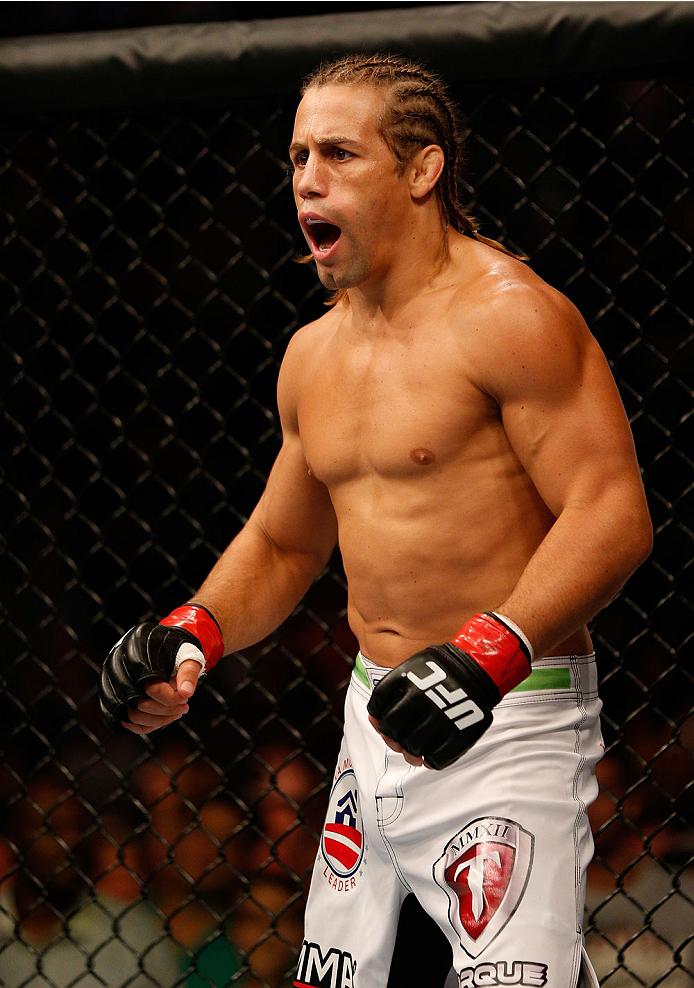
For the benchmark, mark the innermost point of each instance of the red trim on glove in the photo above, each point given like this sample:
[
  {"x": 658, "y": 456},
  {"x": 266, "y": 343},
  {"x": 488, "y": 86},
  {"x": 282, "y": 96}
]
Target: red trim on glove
[
  {"x": 497, "y": 649},
  {"x": 198, "y": 620}
]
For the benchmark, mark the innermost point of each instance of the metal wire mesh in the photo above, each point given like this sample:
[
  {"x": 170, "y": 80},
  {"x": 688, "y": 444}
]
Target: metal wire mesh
[{"x": 148, "y": 282}]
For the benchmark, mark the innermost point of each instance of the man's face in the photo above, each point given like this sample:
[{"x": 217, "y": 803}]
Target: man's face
[{"x": 352, "y": 205}]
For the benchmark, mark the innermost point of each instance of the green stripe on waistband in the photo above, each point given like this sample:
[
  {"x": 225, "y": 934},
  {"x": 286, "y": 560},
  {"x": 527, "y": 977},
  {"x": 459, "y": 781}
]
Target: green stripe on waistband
[
  {"x": 545, "y": 679},
  {"x": 360, "y": 672},
  {"x": 539, "y": 679}
]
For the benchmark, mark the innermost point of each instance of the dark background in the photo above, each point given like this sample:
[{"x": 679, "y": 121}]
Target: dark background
[{"x": 148, "y": 290}]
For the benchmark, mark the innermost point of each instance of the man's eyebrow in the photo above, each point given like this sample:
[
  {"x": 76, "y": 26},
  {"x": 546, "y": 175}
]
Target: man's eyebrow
[{"x": 329, "y": 141}]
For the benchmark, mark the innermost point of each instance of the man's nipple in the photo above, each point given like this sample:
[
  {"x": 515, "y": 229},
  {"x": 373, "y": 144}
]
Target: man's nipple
[{"x": 422, "y": 456}]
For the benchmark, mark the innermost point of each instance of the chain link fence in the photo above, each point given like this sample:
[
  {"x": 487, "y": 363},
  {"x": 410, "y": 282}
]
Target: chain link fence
[{"x": 149, "y": 290}]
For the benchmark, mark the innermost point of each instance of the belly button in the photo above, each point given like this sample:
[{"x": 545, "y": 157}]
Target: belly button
[{"x": 422, "y": 456}]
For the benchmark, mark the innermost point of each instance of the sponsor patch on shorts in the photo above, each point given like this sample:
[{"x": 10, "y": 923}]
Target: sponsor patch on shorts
[
  {"x": 342, "y": 844},
  {"x": 526, "y": 974},
  {"x": 332, "y": 969},
  {"x": 484, "y": 871}
]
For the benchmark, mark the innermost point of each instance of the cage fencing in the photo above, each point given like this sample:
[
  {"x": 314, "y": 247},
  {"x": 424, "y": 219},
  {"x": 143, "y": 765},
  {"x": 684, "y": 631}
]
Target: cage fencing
[{"x": 149, "y": 289}]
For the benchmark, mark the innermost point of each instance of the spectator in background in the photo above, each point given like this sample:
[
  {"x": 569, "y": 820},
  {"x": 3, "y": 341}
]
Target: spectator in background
[
  {"x": 267, "y": 927},
  {"x": 76, "y": 899},
  {"x": 640, "y": 923},
  {"x": 286, "y": 795},
  {"x": 196, "y": 848}
]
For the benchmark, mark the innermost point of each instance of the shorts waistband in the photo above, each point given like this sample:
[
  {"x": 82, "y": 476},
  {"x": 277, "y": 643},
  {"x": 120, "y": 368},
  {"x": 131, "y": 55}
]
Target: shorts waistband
[{"x": 557, "y": 674}]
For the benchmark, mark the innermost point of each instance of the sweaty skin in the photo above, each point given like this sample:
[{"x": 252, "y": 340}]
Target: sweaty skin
[
  {"x": 451, "y": 422},
  {"x": 432, "y": 475}
]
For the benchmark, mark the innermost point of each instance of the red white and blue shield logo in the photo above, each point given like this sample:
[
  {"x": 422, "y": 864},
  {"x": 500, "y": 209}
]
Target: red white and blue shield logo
[{"x": 342, "y": 841}]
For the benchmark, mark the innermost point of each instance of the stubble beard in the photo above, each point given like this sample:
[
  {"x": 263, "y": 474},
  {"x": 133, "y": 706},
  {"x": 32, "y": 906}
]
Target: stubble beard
[{"x": 349, "y": 276}]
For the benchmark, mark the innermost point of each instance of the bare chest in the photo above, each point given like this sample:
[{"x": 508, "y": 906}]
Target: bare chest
[{"x": 398, "y": 413}]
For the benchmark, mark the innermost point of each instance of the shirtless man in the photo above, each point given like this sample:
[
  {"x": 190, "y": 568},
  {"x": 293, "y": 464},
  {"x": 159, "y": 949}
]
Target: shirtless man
[{"x": 453, "y": 425}]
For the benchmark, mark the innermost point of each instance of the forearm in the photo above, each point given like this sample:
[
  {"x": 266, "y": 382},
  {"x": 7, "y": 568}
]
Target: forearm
[
  {"x": 255, "y": 586},
  {"x": 585, "y": 559}
]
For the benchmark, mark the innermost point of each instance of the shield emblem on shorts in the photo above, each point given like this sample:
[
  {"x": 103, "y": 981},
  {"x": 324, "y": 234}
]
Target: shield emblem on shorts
[
  {"x": 342, "y": 841},
  {"x": 484, "y": 871}
]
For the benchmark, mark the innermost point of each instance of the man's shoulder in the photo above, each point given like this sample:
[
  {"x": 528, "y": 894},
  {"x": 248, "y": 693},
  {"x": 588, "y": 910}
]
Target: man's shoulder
[
  {"x": 312, "y": 335},
  {"x": 510, "y": 319},
  {"x": 305, "y": 350},
  {"x": 509, "y": 283},
  {"x": 512, "y": 302}
]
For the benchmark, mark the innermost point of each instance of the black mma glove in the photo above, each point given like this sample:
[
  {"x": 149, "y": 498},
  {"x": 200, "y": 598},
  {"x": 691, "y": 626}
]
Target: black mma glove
[
  {"x": 148, "y": 652},
  {"x": 439, "y": 702}
]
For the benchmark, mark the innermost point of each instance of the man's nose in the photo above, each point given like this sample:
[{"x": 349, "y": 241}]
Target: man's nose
[{"x": 311, "y": 179}]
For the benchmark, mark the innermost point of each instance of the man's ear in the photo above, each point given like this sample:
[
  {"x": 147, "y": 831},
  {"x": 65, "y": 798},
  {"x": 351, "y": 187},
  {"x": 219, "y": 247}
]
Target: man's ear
[{"x": 425, "y": 170}]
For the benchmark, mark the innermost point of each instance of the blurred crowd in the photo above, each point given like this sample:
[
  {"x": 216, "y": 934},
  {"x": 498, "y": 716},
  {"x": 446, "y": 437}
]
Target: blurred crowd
[
  {"x": 640, "y": 889},
  {"x": 196, "y": 881},
  {"x": 207, "y": 889}
]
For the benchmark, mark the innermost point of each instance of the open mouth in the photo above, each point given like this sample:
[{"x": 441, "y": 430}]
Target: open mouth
[{"x": 321, "y": 234}]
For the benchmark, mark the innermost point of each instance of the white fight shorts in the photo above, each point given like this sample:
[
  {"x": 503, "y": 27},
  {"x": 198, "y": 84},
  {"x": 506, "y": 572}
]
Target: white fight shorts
[{"x": 495, "y": 847}]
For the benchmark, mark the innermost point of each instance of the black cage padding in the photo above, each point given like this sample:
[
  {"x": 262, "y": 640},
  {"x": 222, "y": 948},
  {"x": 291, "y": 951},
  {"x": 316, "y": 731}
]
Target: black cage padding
[{"x": 466, "y": 41}]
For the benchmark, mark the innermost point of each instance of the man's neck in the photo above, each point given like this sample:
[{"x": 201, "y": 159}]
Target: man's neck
[{"x": 381, "y": 304}]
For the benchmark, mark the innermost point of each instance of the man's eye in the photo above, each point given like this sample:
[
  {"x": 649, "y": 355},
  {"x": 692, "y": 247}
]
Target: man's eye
[
  {"x": 298, "y": 162},
  {"x": 341, "y": 154}
]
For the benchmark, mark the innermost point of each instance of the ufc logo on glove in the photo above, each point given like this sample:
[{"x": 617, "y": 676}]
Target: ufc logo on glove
[{"x": 456, "y": 704}]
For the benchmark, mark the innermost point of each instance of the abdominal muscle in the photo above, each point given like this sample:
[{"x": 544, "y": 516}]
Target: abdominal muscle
[{"x": 419, "y": 563}]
